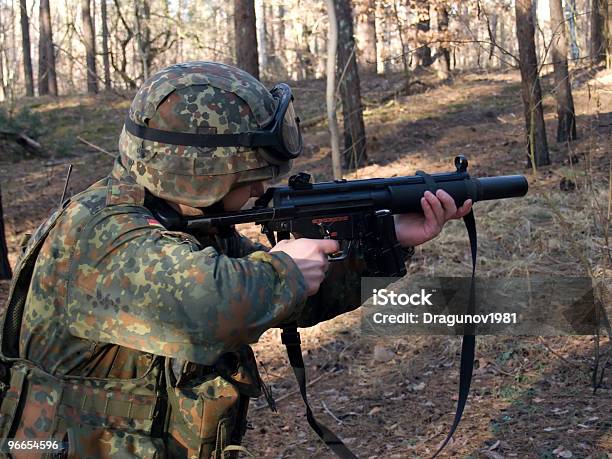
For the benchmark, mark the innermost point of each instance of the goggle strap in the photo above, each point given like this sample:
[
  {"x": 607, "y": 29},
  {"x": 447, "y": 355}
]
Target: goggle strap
[{"x": 243, "y": 139}]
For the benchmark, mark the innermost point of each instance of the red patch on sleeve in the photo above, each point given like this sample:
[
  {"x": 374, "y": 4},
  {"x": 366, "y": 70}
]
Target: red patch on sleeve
[{"x": 153, "y": 222}]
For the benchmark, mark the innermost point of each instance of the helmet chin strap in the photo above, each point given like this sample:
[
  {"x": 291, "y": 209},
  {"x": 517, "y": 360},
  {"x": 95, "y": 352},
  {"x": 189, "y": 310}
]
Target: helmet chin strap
[{"x": 215, "y": 208}]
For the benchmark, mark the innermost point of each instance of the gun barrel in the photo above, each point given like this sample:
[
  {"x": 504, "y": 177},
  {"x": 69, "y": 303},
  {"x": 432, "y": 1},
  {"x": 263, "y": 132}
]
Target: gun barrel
[
  {"x": 407, "y": 198},
  {"x": 507, "y": 186}
]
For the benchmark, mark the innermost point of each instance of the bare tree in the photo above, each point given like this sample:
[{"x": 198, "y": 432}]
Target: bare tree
[
  {"x": 47, "y": 78},
  {"x": 366, "y": 34},
  {"x": 330, "y": 93},
  {"x": 599, "y": 13},
  {"x": 537, "y": 146},
  {"x": 404, "y": 48},
  {"x": 262, "y": 41},
  {"x": 26, "y": 48},
  {"x": 443, "y": 52},
  {"x": 89, "y": 39},
  {"x": 5, "y": 267},
  {"x": 352, "y": 110},
  {"x": 566, "y": 118},
  {"x": 423, "y": 52},
  {"x": 105, "y": 53},
  {"x": 246, "y": 36}
]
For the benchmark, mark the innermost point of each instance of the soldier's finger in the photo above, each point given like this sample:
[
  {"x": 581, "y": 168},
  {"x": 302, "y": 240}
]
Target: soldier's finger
[
  {"x": 448, "y": 203},
  {"x": 436, "y": 206},
  {"x": 428, "y": 211},
  {"x": 464, "y": 209},
  {"x": 329, "y": 245}
]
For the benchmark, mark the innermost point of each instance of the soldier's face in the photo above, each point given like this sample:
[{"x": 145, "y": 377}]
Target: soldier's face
[{"x": 237, "y": 198}]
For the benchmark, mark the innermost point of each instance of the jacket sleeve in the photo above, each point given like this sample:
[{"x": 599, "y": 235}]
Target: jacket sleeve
[
  {"x": 156, "y": 291},
  {"x": 340, "y": 292}
]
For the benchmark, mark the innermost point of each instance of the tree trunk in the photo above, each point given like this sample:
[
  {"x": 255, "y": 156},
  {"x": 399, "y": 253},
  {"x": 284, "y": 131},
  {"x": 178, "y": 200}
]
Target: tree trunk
[
  {"x": 537, "y": 146},
  {"x": 352, "y": 110},
  {"x": 599, "y": 10},
  {"x": 47, "y": 79},
  {"x": 566, "y": 118},
  {"x": 570, "y": 14},
  {"x": 403, "y": 46},
  {"x": 262, "y": 42},
  {"x": 330, "y": 92},
  {"x": 105, "y": 57},
  {"x": 246, "y": 36},
  {"x": 26, "y": 48},
  {"x": 5, "y": 267},
  {"x": 142, "y": 11},
  {"x": 89, "y": 39},
  {"x": 608, "y": 34},
  {"x": 423, "y": 51},
  {"x": 366, "y": 35},
  {"x": 443, "y": 57}
]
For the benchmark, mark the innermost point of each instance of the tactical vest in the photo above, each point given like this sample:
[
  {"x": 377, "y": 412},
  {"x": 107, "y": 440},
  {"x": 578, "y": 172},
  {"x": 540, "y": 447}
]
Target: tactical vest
[{"x": 174, "y": 409}]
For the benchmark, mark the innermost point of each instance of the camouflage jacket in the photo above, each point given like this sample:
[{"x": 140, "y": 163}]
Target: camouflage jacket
[{"x": 125, "y": 323}]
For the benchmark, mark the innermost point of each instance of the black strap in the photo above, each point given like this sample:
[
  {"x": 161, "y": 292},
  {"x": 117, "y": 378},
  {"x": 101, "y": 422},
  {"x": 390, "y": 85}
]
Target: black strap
[
  {"x": 429, "y": 180},
  {"x": 468, "y": 346},
  {"x": 291, "y": 339},
  {"x": 244, "y": 139}
]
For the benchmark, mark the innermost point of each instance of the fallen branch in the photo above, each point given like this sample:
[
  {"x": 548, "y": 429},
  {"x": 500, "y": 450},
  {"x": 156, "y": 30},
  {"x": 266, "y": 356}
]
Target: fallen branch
[
  {"x": 312, "y": 121},
  {"x": 95, "y": 147},
  {"x": 23, "y": 140},
  {"x": 296, "y": 391},
  {"x": 328, "y": 411}
]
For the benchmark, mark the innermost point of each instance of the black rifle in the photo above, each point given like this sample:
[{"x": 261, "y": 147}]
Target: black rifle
[
  {"x": 355, "y": 212},
  {"x": 359, "y": 213}
]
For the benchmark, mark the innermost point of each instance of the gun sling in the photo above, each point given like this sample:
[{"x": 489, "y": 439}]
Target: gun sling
[{"x": 291, "y": 339}]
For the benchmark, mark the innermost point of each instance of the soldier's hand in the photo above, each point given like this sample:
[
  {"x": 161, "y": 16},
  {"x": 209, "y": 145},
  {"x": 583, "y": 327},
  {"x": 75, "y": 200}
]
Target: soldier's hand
[
  {"x": 310, "y": 255},
  {"x": 439, "y": 208}
]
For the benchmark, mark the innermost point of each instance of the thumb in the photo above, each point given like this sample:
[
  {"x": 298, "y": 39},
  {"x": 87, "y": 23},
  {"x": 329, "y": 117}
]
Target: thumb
[{"x": 329, "y": 245}]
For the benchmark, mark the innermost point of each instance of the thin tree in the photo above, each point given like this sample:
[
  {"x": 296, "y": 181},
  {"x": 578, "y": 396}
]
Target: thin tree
[
  {"x": 354, "y": 131},
  {"x": 443, "y": 52},
  {"x": 366, "y": 34},
  {"x": 262, "y": 35},
  {"x": 105, "y": 54},
  {"x": 47, "y": 78},
  {"x": 89, "y": 39},
  {"x": 26, "y": 48},
  {"x": 599, "y": 13},
  {"x": 566, "y": 117},
  {"x": 330, "y": 93},
  {"x": 5, "y": 267},
  {"x": 246, "y": 36},
  {"x": 423, "y": 51},
  {"x": 537, "y": 147}
]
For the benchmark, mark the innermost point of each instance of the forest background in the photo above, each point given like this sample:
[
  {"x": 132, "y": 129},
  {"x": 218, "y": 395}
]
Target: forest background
[{"x": 383, "y": 88}]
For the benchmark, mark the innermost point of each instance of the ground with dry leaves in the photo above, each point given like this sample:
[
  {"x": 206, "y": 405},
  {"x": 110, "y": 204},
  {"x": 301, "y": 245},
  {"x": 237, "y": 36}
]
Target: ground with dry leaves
[{"x": 532, "y": 397}]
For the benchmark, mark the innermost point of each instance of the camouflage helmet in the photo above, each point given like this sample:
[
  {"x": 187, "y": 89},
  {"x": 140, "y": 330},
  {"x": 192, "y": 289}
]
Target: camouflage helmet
[{"x": 199, "y": 98}]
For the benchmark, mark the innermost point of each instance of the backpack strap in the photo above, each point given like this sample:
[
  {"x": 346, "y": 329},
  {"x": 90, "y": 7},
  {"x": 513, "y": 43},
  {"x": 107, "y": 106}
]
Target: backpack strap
[{"x": 11, "y": 323}]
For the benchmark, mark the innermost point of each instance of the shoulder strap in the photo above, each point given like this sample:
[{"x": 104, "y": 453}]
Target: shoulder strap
[
  {"x": 468, "y": 346},
  {"x": 291, "y": 339},
  {"x": 11, "y": 323}
]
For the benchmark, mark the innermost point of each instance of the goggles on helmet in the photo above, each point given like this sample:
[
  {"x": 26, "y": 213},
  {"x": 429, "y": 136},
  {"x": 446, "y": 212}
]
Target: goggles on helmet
[{"x": 281, "y": 138}]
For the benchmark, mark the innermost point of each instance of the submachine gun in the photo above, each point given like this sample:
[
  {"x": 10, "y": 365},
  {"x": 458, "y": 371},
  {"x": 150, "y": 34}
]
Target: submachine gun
[{"x": 359, "y": 214}]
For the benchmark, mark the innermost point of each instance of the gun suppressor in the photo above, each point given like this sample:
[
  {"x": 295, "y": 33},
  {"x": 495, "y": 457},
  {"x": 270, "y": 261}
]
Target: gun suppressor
[{"x": 401, "y": 194}]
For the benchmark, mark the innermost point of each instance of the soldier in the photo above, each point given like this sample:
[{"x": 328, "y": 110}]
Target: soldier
[{"x": 125, "y": 339}]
